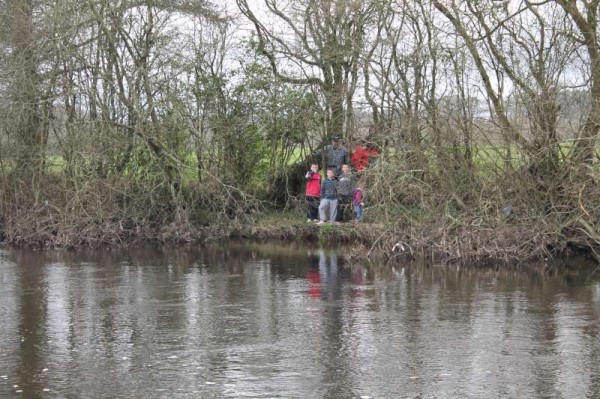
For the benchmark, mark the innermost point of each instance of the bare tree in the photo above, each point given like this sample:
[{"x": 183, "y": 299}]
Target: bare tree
[
  {"x": 584, "y": 15},
  {"x": 322, "y": 43},
  {"x": 454, "y": 15},
  {"x": 24, "y": 84},
  {"x": 525, "y": 45}
]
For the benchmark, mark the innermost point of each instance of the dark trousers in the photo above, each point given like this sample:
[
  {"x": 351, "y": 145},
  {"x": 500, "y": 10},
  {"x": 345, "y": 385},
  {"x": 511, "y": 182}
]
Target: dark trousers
[
  {"x": 313, "y": 207},
  {"x": 344, "y": 213}
]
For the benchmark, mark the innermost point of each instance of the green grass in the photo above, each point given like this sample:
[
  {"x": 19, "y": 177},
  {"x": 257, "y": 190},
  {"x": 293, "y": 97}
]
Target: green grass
[
  {"x": 286, "y": 218},
  {"x": 485, "y": 158},
  {"x": 55, "y": 164}
]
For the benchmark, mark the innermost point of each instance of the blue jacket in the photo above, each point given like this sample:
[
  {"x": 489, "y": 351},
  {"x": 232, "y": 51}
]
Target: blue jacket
[{"x": 329, "y": 189}]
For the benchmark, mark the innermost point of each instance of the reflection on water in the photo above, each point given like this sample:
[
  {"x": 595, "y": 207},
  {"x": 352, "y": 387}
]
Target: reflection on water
[{"x": 293, "y": 322}]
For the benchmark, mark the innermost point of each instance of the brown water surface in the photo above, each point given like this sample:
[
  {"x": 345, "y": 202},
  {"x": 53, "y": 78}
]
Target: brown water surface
[{"x": 268, "y": 321}]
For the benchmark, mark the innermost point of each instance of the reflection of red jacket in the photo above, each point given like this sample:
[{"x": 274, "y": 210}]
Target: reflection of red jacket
[
  {"x": 361, "y": 155},
  {"x": 313, "y": 184},
  {"x": 314, "y": 283}
]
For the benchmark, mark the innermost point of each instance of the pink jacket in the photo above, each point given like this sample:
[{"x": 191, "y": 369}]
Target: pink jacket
[{"x": 358, "y": 196}]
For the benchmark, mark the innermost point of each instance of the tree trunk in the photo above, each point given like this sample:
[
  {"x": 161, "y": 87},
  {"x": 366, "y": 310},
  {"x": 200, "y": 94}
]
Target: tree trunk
[{"x": 24, "y": 88}]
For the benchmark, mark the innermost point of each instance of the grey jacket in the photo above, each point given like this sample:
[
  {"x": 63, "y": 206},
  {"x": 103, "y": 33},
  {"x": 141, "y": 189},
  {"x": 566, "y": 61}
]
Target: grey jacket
[{"x": 346, "y": 184}]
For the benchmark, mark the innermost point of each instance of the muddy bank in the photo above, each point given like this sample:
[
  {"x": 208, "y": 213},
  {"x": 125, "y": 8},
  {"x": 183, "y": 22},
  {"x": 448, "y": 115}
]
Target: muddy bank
[
  {"x": 440, "y": 243},
  {"x": 515, "y": 244}
]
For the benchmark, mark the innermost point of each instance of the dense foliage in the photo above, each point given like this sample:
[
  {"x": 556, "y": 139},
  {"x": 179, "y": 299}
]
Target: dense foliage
[{"x": 140, "y": 117}]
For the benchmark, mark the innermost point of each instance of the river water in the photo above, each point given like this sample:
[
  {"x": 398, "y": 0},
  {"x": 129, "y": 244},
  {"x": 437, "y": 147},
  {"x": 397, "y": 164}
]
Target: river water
[{"x": 272, "y": 321}]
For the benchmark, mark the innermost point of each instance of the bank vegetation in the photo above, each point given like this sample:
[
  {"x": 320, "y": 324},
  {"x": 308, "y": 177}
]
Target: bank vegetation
[{"x": 187, "y": 121}]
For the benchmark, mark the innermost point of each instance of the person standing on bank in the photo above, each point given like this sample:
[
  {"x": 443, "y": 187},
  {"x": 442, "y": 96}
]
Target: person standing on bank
[
  {"x": 336, "y": 154},
  {"x": 329, "y": 198},
  {"x": 345, "y": 192},
  {"x": 359, "y": 198},
  {"x": 313, "y": 192}
]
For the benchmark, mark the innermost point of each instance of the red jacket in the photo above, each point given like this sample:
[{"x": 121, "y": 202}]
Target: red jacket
[
  {"x": 313, "y": 184},
  {"x": 361, "y": 157}
]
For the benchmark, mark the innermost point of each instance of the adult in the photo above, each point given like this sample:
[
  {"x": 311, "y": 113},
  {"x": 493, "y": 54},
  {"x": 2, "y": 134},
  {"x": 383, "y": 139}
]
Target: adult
[
  {"x": 336, "y": 155},
  {"x": 364, "y": 156}
]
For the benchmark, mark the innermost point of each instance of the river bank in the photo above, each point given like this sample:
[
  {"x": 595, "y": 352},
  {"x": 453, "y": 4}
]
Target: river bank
[{"x": 439, "y": 242}]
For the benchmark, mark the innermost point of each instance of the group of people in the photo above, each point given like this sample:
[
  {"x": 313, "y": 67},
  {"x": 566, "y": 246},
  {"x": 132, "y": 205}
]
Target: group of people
[{"x": 336, "y": 197}]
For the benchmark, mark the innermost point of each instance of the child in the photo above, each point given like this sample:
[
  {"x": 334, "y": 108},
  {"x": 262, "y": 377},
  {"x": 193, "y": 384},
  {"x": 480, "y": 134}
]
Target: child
[
  {"x": 313, "y": 192},
  {"x": 329, "y": 197},
  {"x": 358, "y": 198},
  {"x": 345, "y": 190}
]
